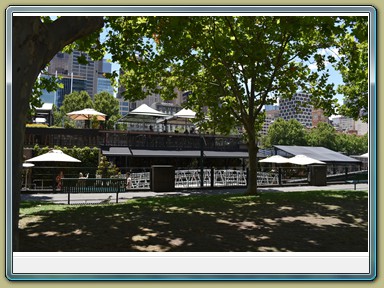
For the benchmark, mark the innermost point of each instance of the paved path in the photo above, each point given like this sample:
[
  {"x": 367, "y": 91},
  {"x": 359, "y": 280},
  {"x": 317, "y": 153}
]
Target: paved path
[{"x": 61, "y": 198}]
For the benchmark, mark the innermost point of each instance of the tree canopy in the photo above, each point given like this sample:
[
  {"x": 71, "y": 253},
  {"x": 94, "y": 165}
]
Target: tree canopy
[
  {"x": 353, "y": 66},
  {"x": 104, "y": 102},
  {"x": 323, "y": 135}
]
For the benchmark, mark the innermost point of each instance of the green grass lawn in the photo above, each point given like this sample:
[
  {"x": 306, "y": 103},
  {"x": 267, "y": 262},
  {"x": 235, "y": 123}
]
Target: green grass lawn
[{"x": 311, "y": 221}]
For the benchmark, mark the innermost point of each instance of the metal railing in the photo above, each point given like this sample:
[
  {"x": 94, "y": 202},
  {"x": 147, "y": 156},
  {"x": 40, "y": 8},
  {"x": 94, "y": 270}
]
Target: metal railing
[
  {"x": 92, "y": 185},
  {"x": 134, "y": 140}
]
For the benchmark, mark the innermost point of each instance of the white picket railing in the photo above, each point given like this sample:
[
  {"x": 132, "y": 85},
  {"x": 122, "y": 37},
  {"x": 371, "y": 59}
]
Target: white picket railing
[{"x": 191, "y": 178}]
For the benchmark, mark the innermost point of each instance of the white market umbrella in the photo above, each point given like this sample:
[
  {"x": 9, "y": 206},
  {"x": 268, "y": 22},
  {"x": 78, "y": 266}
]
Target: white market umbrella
[
  {"x": 142, "y": 114},
  {"x": 53, "y": 156},
  {"x": 304, "y": 160},
  {"x": 145, "y": 111},
  {"x": 365, "y": 155},
  {"x": 87, "y": 114},
  {"x": 275, "y": 159}
]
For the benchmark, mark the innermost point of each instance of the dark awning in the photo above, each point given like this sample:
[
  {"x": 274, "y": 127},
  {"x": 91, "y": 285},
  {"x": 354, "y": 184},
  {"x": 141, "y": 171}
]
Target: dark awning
[
  {"x": 126, "y": 151},
  {"x": 318, "y": 153},
  {"x": 117, "y": 151},
  {"x": 225, "y": 154},
  {"x": 164, "y": 153}
]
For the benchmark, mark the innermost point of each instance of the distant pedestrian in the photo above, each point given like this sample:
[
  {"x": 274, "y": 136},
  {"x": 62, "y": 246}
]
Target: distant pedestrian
[
  {"x": 128, "y": 183},
  {"x": 59, "y": 180}
]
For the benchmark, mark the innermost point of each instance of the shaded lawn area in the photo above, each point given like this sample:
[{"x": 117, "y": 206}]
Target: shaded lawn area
[{"x": 311, "y": 221}]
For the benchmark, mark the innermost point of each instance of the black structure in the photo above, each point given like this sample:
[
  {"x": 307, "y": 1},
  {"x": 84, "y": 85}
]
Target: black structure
[{"x": 147, "y": 148}]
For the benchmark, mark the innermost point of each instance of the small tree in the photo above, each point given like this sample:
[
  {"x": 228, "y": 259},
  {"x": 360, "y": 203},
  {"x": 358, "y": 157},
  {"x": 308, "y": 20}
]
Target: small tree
[
  {"x": 109, "y": 105},
  {"x": 77, "y": 100},
  {"x": 323, "y": 135},
  {"x": 283, "y": 132},
  {"x": 106, "y": 169}
]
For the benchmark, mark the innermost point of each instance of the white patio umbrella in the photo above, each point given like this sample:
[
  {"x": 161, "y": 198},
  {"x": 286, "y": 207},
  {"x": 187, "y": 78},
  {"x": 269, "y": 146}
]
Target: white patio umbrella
[
  {"x": 304, "y": 160},
  {"x": 185, "y": 113},
  {"x": 53, "y": 156},
  {"x": 275, "y": 159},
  {"x": 182, "y": 118},
  {"x": 365, "y": 155},
  {"x": 87, "y": 114},
  {"x": 142, "y": 114},
  {"x": 179, "y": 118}
]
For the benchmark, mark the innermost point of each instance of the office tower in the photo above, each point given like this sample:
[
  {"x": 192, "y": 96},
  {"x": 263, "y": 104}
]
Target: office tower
[
  {"x": 103, "y": 83},
  {"x": 298, "y": 108},
  {"x": 68, "y": 67}
]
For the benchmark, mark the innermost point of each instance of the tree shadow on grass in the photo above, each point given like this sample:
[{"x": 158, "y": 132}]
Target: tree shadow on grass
[{"x": 298, "y": 222}]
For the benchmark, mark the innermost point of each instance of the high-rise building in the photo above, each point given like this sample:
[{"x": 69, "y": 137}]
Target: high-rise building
[
  {"x": 298, "y": 108},
  {"x": 272, "y": 112},
  {"x": 123, "y": 106},
  {"x": 70, "y": 84},
  {"x": 103, "y": 83},
  {"x": 88, "y": 77},
  {"x": 68, "y": 66}
]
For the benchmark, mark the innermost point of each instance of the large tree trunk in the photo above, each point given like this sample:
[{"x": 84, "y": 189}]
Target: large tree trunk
[
  {"x": 252, "y": 177},
  {"x": 34, "y": 45}
]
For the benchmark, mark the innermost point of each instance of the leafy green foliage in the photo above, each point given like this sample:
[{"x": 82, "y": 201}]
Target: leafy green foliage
[
  {"x": 49, "y": 84},
  {"x": 291, "y": 132},
  {"x": 324, "y": 135},
  {"x": 77, "y": 100},
  {"x": 106, "y": 169},
  {"x": 353, "y": 66},
  {"x": 352, "y": 144},
  {"x": 283, "y": 132},
  {"x": 109, "y": 105}
]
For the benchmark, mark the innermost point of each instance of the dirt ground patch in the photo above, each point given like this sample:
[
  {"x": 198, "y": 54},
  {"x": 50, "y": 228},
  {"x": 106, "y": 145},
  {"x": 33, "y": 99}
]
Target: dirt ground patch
[{"x": 321, "y": 221}]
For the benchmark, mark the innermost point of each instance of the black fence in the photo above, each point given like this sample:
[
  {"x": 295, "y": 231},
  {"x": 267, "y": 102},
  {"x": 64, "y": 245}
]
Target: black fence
[{"x": 133, "y": 139}]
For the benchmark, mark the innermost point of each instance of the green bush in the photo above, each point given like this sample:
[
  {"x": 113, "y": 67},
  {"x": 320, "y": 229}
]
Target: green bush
[{"x": 106, "y": 169}]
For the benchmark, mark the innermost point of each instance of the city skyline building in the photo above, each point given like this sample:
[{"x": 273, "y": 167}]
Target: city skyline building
[
  {"x": 103, "y": 84},
  {"x": 67, "y": 65},
  {"x": 74, "y": 76},
  {"x": 298, "y": 108},
  {"x": 318, "y": 116},
  {"x": 350, "y": 126}
]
